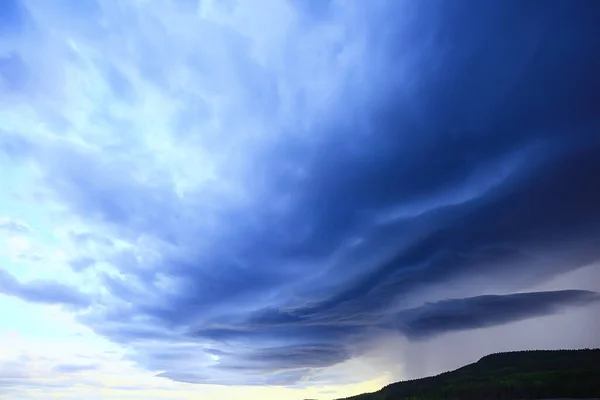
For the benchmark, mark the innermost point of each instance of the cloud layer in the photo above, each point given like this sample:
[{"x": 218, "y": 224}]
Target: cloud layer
[
  {"x": 485, "y": 311},
  {"x": 249, "y": 194}
]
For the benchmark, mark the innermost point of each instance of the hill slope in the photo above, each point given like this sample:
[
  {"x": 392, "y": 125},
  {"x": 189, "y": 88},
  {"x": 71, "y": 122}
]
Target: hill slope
[{"x": 516, "y": 375}]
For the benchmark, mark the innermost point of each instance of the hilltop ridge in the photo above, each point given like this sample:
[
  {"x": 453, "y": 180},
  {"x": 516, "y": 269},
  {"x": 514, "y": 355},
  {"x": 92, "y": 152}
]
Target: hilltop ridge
[{"x": 531, "y": 374}]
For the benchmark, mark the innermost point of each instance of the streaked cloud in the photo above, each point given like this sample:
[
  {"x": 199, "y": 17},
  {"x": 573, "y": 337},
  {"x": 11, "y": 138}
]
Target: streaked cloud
[{"x": 259, "y": 194}]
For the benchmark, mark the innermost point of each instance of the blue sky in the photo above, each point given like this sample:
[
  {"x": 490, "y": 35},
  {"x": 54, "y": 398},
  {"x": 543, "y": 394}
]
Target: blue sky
[{"x": 291, "y": 199}]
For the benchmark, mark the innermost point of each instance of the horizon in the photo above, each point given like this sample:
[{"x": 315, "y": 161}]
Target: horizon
[{"x": 292, "y": 199}]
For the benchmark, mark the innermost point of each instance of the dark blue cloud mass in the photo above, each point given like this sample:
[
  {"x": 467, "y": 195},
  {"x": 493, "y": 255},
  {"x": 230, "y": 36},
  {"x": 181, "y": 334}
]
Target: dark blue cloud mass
[
  {"x": 484, "y": 311},
  {"x": 444, "y": 144}
]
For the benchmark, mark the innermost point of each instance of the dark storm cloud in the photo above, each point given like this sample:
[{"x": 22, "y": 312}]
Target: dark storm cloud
[
  {"x": 484, "y": 311},
  {"x": 485, "y": 168},
  {"x": 465, "y": 145},
  {"x": 419, "y": 322}
]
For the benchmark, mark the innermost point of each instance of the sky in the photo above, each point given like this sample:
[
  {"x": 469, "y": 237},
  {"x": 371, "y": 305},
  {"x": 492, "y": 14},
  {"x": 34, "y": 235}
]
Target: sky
[{"x": 292, "y": 199}]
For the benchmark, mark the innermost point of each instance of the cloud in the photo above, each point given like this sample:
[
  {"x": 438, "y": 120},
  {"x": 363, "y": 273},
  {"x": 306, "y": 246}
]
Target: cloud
[
  {"x": 15, "y": 227},
  {"x": 71, "y": 368},
  {"x": 41, "y": 291},
  {"x": 82, "y": 263},
  {"x": 484, "y": 311},
  {"x": 259, "y": 204}
]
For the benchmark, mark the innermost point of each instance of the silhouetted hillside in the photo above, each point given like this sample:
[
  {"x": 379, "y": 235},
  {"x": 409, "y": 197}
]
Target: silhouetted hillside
[{"x": 516, "y": 375}]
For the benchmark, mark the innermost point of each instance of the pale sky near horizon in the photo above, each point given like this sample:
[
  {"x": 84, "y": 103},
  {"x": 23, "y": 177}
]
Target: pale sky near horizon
[{"x": 291, "y": 199}]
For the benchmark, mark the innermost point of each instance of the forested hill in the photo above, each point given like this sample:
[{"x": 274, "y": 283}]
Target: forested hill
[{"x": 543, "y": 374}]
